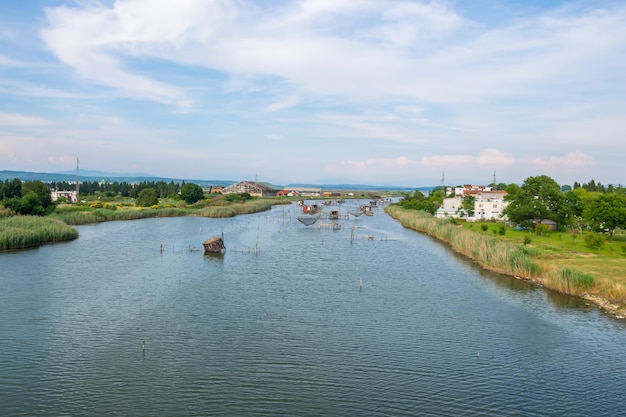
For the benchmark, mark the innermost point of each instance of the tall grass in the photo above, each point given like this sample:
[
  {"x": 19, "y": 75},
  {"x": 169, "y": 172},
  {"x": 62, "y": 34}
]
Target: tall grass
[
  {"x": 20, "y": 232},
  {"x": 98, "y": 215},
  {"x": 79, "y": 215},
  {"x": 496, "y": 255},
  {"x": 568, "y": 281}
]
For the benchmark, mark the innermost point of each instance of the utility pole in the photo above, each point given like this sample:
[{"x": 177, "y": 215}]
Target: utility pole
[{"x": 77, "y": 181}]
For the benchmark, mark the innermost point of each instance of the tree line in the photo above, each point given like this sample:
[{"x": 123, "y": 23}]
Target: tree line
[
  {"x": 33, "y": 197},
  {"x": 122, "y": 189}
]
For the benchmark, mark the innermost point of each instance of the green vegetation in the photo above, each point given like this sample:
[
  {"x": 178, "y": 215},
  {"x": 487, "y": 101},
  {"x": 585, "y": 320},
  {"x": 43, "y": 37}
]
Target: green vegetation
[
  {"x": 147, "y": 197},
  {"x": 191, "y": 193},
  {"x": 218, "y": 206},
  {"x": 419, "y": 201},
  {"x": 558, "y": 260},
  {"x": 107, "y": 204},
  {"x": 31, "y": 197},
  {"x": 20, "y": 232}
]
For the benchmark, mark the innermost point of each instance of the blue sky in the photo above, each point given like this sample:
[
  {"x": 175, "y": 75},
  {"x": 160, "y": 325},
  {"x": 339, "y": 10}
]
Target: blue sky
[{"x": 317, "y": 91}]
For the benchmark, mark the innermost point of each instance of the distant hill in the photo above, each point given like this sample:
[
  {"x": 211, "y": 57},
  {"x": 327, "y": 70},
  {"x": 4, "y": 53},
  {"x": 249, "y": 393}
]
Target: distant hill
[
  {"x": 87, "y": 175},
  {"x": 102, "y": 174},
  {"x": 94, "y": 175}
]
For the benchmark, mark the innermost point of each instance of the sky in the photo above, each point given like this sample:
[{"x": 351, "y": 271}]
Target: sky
[{"x": 380, "y": 92}]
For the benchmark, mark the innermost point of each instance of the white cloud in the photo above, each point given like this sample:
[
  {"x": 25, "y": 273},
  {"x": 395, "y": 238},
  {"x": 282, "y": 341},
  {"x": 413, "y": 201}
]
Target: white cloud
[
  {"x": 15, "y": 119},
  {"x": 570, "y": 161},
  {"x": 361, "y": 49},
  {"x": 494, "y": 157},
  {"x": 284, "y": 104},
  {"x": 443, "y": 161}
]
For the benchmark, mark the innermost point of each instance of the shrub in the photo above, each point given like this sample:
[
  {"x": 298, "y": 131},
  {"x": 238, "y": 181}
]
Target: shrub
[
  {"x": 542, "y": 229},
  {"x": 502, "y": 230},
  {"x": 527, "y": 240},
  {"x": 484, "y": 227},
  {"x": 594, "y": 240},
  {"x": 147, "y": 197}
]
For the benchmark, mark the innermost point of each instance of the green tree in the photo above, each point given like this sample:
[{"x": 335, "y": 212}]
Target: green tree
[
  {"x": 607, "y": 212},
  {"x": 147, "y": 197},
  {"x": 41, "y": 190},
  {"x": 191, "y": 193},
  {"x": 468, "y": 204},
  {"x": 537, "y": 199},
  {"x": 10, "y": 189},
  {"x": 418, "y": 201}
]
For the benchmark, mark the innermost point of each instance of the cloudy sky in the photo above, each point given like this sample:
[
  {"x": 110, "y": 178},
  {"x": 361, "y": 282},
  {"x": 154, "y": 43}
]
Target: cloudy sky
[{"x": 384, "y": 92}]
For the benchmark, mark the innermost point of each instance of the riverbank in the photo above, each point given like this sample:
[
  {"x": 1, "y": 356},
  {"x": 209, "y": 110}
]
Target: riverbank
[
  {"x": 25, "y": 232},
  {"x": 518, "y": 261}
]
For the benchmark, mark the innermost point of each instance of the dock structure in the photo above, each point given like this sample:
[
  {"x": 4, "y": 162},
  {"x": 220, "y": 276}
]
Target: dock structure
[{"x": 334, "y": 226}]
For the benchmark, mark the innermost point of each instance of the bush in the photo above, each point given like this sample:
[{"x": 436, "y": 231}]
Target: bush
[
  {"x": 542, "y": 229},
  {"x": 147, "y": 197},
  {"x": 484, "y": 227},
  {"x": 191, "y": 193},
  {"x": 527, "y": 240},
  {"x": 594, "y": 240},
  {"x": 502, "y": 230}
]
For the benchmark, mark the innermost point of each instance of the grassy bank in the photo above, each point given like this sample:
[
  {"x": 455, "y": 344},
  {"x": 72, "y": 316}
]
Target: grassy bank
[
  {"x": 74, "y": 214},
  {"x": 566, "y": 271},
  {"x": 21, "y": 232}
]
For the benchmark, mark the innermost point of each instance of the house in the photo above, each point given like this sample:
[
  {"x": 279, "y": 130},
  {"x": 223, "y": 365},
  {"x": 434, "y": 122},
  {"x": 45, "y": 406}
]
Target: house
[
  {"x": 471, "y": 190},
  {"x": 451, "y": 208},
  {"x": 68, "y": 195},
  {"x": 304, "y": 191},
  {"x": 489, "y": 205}
]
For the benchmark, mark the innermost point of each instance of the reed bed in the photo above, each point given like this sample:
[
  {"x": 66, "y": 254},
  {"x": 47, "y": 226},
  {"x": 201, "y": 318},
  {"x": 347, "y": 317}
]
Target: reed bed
[
  {"x": 21, "y": 232},
  {"x": 248, "y": 207},
  {"x": 98, "y": 215}
]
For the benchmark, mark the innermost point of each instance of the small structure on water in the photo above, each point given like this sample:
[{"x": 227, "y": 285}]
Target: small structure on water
[{"x": 214, "y": 245}]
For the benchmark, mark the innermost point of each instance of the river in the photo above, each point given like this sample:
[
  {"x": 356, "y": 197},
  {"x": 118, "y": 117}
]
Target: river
[{"x": 370, "y": 319}]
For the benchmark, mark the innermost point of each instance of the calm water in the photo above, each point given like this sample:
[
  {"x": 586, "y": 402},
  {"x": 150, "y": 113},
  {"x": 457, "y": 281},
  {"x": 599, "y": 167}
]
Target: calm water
[{"x": 279, "y": 325}]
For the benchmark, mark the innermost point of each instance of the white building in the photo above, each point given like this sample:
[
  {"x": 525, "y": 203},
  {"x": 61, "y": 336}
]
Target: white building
[
  {"x": 69, "y": 195},
  {"x": 488, "y": 205},
  {"x": 451, "y": 208}
]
